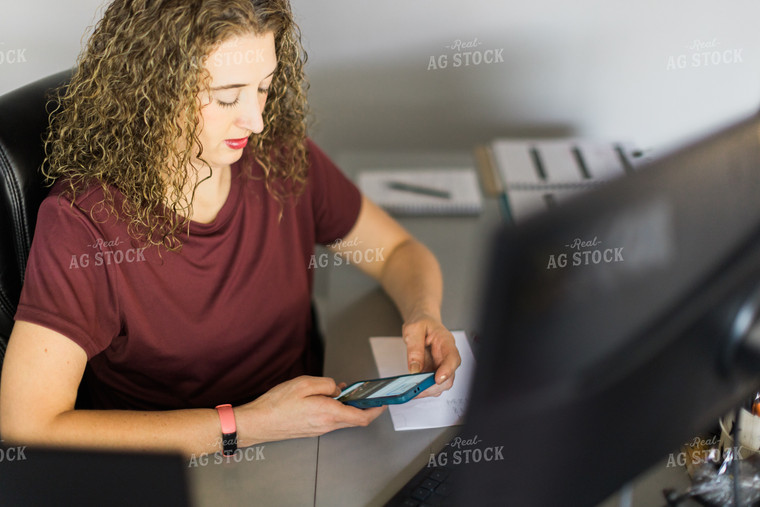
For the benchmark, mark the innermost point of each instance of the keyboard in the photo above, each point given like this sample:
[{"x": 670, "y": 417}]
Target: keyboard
[{"x": 431, "y": 486}]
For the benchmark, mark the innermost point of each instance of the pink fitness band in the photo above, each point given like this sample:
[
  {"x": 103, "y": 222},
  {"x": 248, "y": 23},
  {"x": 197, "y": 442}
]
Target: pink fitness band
[{"x": 229, "y": 429}]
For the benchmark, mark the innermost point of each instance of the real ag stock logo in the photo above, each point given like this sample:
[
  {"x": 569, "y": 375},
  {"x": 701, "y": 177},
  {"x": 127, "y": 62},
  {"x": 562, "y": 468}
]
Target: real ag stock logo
[
  {"x": 252, "y": 453},
  {"x": 9, "y": 454},
  {"x": 344, "y": 252},
  {"x": 705, "y": 53},
  {"x": 11, "y": 56},
  {"x": 465, "y": 451},
  {"x": 585, "y": 252},
  {"x": 465, "y": 54},
  {"x": 104, "y": 255}
]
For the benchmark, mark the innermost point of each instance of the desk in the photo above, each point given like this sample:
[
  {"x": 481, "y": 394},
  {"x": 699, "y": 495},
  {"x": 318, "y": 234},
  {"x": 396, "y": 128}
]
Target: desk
[
  {"x": 285, "y": 476},
  {"x": 366, "y": 466}
]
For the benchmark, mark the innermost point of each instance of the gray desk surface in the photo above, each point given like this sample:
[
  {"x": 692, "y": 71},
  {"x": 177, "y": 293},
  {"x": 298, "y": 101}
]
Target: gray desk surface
[
  {"x": 282, "y": 473},
  {"x": 366, "y": 466}
]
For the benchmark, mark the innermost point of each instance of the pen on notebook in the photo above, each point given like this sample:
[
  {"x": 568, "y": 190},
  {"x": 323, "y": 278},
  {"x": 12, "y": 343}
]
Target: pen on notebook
[{"x": 416, "y": 189}]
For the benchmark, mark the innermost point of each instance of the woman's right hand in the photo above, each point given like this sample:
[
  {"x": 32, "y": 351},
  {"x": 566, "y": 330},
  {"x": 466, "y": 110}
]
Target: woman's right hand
[{"x": 301, "y": 407}]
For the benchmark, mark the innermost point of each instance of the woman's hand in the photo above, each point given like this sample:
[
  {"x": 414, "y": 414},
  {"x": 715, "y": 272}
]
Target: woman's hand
[
  {"x": 411, "y": 276},
  {"x": 302, "y": 407},
  {"x": 431, "y": 347}
]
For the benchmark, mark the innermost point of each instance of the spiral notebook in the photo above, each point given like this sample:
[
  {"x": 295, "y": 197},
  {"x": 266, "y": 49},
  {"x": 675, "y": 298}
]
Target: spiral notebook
[{"x": 423, "y": 191}]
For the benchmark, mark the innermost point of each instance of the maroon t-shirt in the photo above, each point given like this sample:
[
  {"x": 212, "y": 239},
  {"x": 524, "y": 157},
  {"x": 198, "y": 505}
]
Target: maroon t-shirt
[{"x": 220, "y": 321}]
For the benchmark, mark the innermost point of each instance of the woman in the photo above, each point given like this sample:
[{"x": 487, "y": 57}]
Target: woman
[{"x": 170, "y": 262}]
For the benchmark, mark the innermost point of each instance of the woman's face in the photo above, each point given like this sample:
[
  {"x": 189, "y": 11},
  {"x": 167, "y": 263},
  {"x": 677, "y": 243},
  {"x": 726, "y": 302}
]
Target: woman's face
[{"x": 241, "y": 68}]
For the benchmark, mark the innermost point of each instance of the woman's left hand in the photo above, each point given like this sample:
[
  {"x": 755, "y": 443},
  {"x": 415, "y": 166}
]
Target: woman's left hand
[{"x": 431, "y": 347}]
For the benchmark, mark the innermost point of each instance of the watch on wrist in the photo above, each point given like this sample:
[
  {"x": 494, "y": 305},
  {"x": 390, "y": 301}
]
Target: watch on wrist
[{"x": 229, "y": 429}]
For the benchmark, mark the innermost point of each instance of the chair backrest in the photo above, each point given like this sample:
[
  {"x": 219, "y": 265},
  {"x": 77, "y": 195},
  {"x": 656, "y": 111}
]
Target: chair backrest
[{"x": 23, "y": 123}]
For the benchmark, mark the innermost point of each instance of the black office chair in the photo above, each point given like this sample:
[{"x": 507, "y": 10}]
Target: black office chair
[{"x": 23, "y": 122}]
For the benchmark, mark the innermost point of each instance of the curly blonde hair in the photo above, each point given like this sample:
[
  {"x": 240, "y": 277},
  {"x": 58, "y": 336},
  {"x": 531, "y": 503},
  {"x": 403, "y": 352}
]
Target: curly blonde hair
[{"x": 133, "y": 98}]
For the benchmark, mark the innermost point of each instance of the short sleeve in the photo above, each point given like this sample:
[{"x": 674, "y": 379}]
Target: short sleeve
[
  {"x": 65, "y": 288},
  {"x": 336, "y": 201}
]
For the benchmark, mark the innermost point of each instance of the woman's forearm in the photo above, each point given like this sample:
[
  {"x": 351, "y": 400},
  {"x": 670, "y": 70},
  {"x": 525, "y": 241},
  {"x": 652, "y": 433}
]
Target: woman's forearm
[
  {"x": 412, "y": 278},
  {"x": 37, "y": 404},
  {"x": 36, "y": 407},
  {"x": 191, "y": 431}
]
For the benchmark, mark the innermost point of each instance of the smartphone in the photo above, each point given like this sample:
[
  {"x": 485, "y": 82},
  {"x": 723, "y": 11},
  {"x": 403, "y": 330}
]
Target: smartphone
[{"x": 386, "y": 391}]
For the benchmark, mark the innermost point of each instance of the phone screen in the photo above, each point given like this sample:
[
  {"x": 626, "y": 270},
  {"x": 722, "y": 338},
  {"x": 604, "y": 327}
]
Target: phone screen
[{"x": 382, "y": 388}]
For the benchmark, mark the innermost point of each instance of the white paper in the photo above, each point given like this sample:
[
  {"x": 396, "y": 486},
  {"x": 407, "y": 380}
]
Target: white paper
[{"x": 445, "y": 410}]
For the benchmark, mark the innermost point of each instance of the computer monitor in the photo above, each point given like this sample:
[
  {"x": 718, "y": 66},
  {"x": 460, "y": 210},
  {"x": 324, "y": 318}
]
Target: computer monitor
[{"x": 618, "y": 326}]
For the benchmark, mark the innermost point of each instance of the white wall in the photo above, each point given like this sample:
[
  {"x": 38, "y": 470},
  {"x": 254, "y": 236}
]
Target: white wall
[
  {"x": 597, "y": 68},
  {"x": 594, "y": 68},
  {"x": 41, "y": 37}
]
